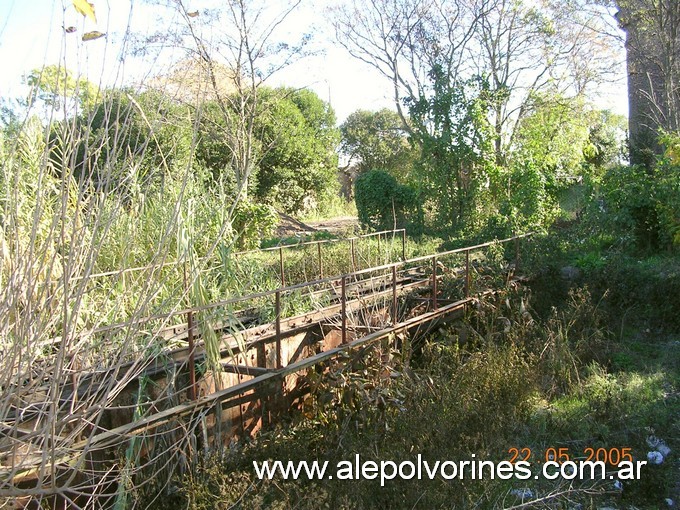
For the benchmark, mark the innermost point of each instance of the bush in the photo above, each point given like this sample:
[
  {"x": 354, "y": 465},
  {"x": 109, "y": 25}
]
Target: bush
[
  {"x": 253, "y": 222},
  {"x": 524, "y": 203},
  {"x": 630, "y": 202},
  {"x": 383, "y": 203},
  {"x": 645, "y": 203}
]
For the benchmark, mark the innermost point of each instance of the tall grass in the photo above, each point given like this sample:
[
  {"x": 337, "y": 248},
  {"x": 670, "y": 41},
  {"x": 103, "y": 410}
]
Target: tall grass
[{"x": 74, "y": 204}]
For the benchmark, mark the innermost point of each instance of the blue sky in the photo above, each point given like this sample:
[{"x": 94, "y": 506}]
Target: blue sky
[{"x": 32, "y": 35}]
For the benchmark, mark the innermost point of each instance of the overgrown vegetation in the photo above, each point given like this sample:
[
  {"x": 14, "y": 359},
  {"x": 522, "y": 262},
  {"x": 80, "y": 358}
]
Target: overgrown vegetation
[
  {"x": 164, "y": 185},
  {"x": 502, "y": 379}
]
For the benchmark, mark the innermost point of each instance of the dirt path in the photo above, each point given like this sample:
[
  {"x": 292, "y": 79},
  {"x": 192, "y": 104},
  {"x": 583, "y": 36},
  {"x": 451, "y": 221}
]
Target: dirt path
[
  {"x": 289, "y": 226},
  {"x": 339, "y": 225}
]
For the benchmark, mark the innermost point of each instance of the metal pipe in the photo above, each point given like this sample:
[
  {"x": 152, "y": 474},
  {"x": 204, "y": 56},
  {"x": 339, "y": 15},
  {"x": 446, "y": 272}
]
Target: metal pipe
[
  {"x": 192, "y": 355},
  {"x": 190, "y": 340},
  {"x": 379, "y": 257},
  {"x": 283, "y": 274},
  {"x": 394, "y": 295},
  {"x": 353, "y": 254},
  {"x": 278, "y": 328},
  {"x": 467, "y": 273},
  {"x": 434, "y": 283},
  {"x": 343, "y": 308}
]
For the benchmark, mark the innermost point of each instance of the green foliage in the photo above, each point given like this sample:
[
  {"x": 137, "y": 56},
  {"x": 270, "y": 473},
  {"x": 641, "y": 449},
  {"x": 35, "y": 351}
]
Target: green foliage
[
  {"x": 253, "y": 222},
  {"x": 56, "y": 85},
  {"x": 378, "y": 141},
  {"x": 293, "y": 150},
  {"x": 451, "y": 125},
  {"x": 642, "y": 204},
  {"x": 383, "y": 203},
  {"x": 212, "y": 150},
  {"x": 298, "y": 136},
  {"x": 134, "y": 143},
  {"x": 553, "y": 135},
  {"x": 606, "y": 140},
  {"x": 523, "y": 200}
]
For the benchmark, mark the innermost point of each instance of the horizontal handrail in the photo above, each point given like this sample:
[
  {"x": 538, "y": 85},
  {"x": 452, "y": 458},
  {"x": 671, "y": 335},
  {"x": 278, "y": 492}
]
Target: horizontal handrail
[
  {"x": 239, "y": 299},
  {"x": 320, "y": 241},
  {"x": 258, "y": 250}
]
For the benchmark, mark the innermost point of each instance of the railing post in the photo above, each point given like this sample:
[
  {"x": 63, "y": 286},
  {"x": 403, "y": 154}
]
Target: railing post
[
  {"x": 192, "y": 356},
  {"x": 190, "y": 340},
  {"x": 281, "y": 269},
  {"x": 318, "y": 249},
  {"x": 517, "y": 255},
  {"x": 467, "y": 273},
  {"x": 434, "y": 283},
  {"x": 394, "y": 295},
  {"x": 379, "y": 258},
  {"x": 278, "y": 328},
  {"x": 343, "y": 308},
  {"x": 353, "y": 254},
  {"x": 403, "y": 244}
]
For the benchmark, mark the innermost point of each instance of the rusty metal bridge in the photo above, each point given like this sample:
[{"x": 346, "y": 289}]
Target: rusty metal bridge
[{"x": 225, "y": 370}]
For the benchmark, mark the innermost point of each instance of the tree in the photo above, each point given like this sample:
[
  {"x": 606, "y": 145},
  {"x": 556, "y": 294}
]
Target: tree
[
  {"x": 383, "y": 203},
  {"x": 553, "y": 136},
  {"x": 404, "y": 40},
  {"x": 378, "y": 140},
  {"x": 512, "y": 38},
  {"x": 518, "y": 47},
  {"x": 248, "y": 38},
  {"x": 56, "y": 86},
  {"x": 606, "y": 140},
  {"x": 134, "y": 140},
  {"x": 459, "y": 68},
  {"x": 455, "y": 139},
  {"x": 653, "y": 55},
  {"x": 299, "y": 138}
]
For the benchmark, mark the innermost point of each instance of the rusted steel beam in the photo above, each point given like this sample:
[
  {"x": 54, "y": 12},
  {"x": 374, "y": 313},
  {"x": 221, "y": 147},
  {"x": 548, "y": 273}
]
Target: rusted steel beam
[
  {"x": 192, "y": 355},
  {"x": 109, "y": 437},
  {"x": 253, "y": 338},
  {"x": 394, "y": 295},
  {"x": 230, "y": 397},
  {"x": 190, "y": 340},
  {"x": 245, "y": 370},
  {"x": 235, "y": 395}
]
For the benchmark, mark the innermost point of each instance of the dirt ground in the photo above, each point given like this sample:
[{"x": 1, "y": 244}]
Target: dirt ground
[{"x": 289, "y": 226}]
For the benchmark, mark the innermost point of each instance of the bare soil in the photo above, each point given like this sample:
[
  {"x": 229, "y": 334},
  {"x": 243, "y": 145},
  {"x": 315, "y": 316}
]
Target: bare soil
[{"x": 289, "y": 226}]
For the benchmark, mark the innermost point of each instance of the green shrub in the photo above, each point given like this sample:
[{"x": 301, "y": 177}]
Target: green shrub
[
  {"x": 383, "y": 203},
  {"x": 644, "y": 204},
  {"x": 253, "y": 222},
  {"x": 629, "y": 195}
]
